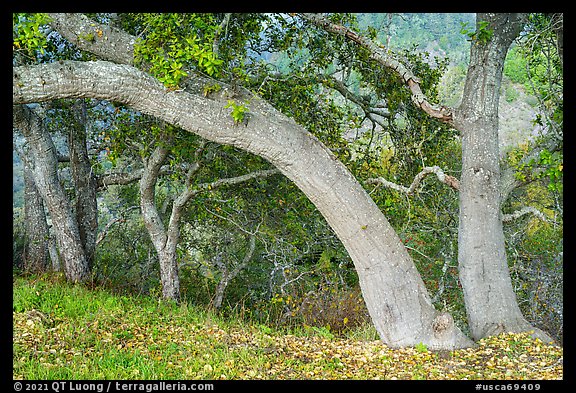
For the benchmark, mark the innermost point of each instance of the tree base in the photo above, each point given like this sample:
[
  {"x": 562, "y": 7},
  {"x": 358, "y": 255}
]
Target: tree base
[{"x": 518, "y": 327}]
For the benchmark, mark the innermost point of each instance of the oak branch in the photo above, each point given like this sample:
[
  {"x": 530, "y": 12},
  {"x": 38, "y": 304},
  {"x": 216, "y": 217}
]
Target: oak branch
[{"x": 385, "y": 57}]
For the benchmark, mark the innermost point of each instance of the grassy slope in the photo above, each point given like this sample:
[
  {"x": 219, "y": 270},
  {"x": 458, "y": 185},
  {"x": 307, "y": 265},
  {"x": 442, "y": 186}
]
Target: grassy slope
[{"x": 71, "y": 332}]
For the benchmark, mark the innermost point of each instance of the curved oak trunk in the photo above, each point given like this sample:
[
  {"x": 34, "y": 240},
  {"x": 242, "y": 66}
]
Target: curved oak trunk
[{"x": 393, "y": 290}]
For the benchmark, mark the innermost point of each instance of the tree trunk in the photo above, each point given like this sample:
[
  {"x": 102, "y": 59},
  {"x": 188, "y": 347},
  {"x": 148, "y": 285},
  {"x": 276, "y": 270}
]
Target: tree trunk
[
  {"x": 54, "y": 255},
  {"x": 36, "y": 248},
  {"x": 45, "y": 172},
  {"x": 84, "y": 182},
  {"x": 228, "y": 275},
  {"x": 165, "y": 247},
  {"x": 490, "y": 300},
  {"x": 169, "y": 275},
  {"x": 393, "y": 290}
]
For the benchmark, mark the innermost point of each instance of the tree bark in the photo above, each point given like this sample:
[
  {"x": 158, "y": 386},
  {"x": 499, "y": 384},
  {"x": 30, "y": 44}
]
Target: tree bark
[
  {"x": 86, "y": 207},
  {"x": 36, "y": 256},
  {"x": 393, "y": 290},
  {"x": 45, "y": 172},
  {"x": 108, "y": 42},
  {"x": 491, "y": 303},
  {"x": 164, "y": 244}
]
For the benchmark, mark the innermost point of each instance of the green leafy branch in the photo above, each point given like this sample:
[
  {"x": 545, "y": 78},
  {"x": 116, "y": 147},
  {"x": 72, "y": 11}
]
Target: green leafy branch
[
  {"x": 551, "y": 164},
  {"x": 239, "y": 111},
  {"x": 27, "y": 35},
  {"x": 482, "y": 35},
  {"x": 169, "y": 49}
]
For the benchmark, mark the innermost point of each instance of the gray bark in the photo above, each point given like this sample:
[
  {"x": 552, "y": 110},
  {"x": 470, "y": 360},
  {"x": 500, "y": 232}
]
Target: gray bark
[
  {"x": 491, "y": 303},
  {"x": 86, "y": 208},
  {"x": 163, "y": 243},
  {"x": 45, "y": 173},
  {"x": 35, "y": 256},
  {"x": 393, "y": 290},
  {"x": 54, "y": 255},
  {"x": 110, "y": 43}
]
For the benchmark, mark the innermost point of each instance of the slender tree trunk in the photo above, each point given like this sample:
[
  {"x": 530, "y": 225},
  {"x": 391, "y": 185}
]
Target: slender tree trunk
[
  {"x": 165, "y": 246},
  {"x": 490, "y": 300},
  {"x": 169, "y": 275},
  {"x": 221, "y": 286},
  {"x": 45, "y": 172},
  {"x": 228, "y": 275},
  {"x": 84, "y": 182},
  {"x": 36, "y": 247},
  {"x": 54, "y": 255},
  {"x": 169, "y": 263}
]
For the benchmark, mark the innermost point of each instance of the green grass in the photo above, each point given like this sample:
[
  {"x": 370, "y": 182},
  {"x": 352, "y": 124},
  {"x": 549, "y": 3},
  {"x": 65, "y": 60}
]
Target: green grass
[{"x": 64, "y": 331}]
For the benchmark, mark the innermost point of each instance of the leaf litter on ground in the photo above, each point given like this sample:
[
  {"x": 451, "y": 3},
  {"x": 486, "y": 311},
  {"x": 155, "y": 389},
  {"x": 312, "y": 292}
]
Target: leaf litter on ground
[{"x": 140, "y": 342}]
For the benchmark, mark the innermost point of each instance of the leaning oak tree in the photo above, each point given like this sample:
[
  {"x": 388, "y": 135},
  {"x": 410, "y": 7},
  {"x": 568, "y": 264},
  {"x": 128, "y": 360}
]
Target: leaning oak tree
[{"x": 393, "y": 289}]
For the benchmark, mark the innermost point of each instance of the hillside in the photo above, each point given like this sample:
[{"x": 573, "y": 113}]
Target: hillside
[{"x": 61, "y": 331}]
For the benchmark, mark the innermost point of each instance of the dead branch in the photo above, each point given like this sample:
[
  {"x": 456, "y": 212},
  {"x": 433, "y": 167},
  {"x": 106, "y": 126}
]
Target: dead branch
[
  {"x": 525, "y": 210},
  {"x": 444, "y": 178}
]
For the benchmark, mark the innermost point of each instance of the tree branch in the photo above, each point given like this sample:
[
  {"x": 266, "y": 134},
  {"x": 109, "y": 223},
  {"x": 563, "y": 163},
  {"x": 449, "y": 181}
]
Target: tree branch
[
  {"x": 363, "y": 103},
  {"x": 525, "y": 210},
  {"x": 104, "y": 41},
  {"x": 246, "y": 259},
  {"x": 385, "y": 57},
  {"x": 234, "y": 180},
  {"x": 118, "y": 178},
  {"x": 223, "y": 26},
  {"x": 104, "y": 231},
  {"x": 446, "y": 179}
]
